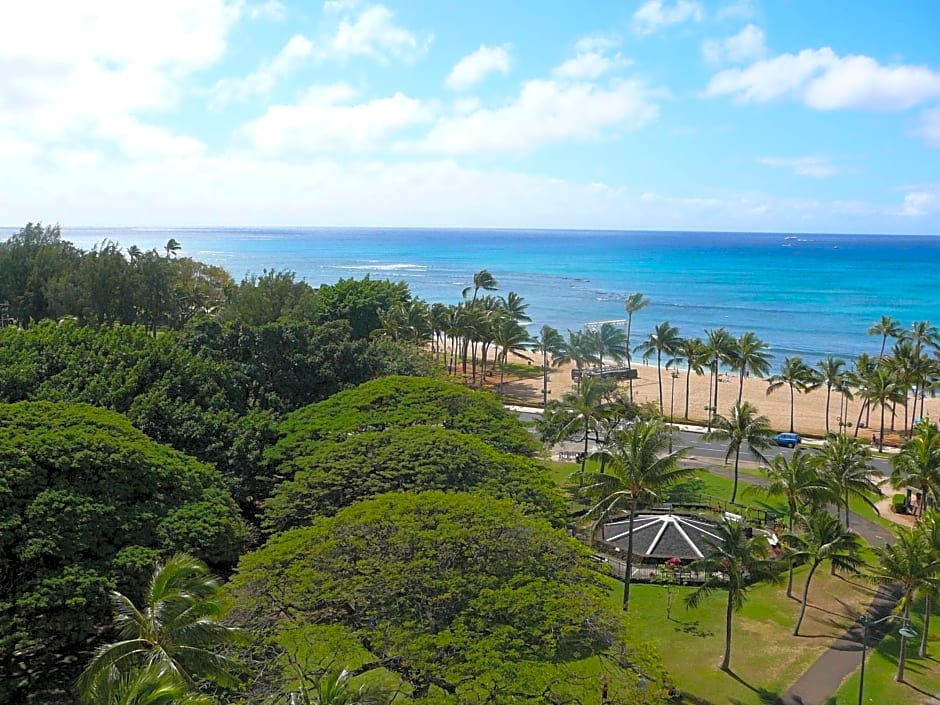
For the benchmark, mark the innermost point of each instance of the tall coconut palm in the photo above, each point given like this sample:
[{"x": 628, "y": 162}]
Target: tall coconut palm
[
  {"x": 609, "y": 342},
  {"x": 750, "y": 355},
  {"x": 720, "y": 346},
  {"x": 663, "y": 341},
  {"x": 829, "y": 374},
  {"x": 929, "y": 526},
  {"x": 823, "y": 538},
  {"x": 797, "y": 482},
  {"x": 481, "y": 280},
  {"x": 636, "y": 470},
  {"x": 172, "y": 247},
  {"x": 887, "y": 327},
  {"x": 577, "y": 349},
  {"x": 634, "y": 302},
  {"x": 846, "y": 464},
  {"x": 509, "y": 337},
  {"x": 583, "y": 411},
  {"x": 550, "y": 345},
  {"x": 796, "y": 375},
  {"x": 693, "y": 351},
  {"x": 907, "y": 562},
  {"x": 883, "y": 388},
  {"x": 735, "y": 563},
  {"x": 515, "y": 306},
  {"x": 743, "y": 427},
  {"x": 178, "y": 628},
  {"x": 918, "y": 464}
]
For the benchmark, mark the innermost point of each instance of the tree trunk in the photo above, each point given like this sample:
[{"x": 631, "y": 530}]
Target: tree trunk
[
  {"x": 902, "y": 655},
  {"x": 792, "y": 407},
  {"x": 630, "y": 354},
  {"x": 790, "y": 531},
  {"x": 922, "y": 652},
  {"x": 741, "y": 384},
  {"x": 828, "y": 395},
  {"x": 734, "y": 488},
  {"x": 544, "y": 378},
  {"x": 799, "y": 621},
  {"x": 688, "y": 380},
  {"x": 847, "y": 509},
  {"x": 627, "y": 574},
  {"x": 659, "y": 374},
  {"x": 881, "y": 437},
  {"x": 726, "y": 661}
]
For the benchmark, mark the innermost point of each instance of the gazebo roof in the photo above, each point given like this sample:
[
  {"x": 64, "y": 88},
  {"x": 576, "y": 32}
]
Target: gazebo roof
[{"x": 663, "y": 536}]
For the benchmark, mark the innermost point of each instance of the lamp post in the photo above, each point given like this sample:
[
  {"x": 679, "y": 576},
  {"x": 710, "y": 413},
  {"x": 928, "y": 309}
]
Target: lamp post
[
  {"x": 866, "y": 622},
  {"x": 672, "y": 407}
]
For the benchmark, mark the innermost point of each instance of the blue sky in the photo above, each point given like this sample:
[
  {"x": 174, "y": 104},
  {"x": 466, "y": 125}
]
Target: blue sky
[{"x": 665, "y": 114}]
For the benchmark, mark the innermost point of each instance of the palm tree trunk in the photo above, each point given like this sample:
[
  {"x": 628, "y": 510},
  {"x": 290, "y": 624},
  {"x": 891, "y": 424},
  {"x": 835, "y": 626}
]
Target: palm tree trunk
[
  {"x": 922, "y": 652},
  {"x": 729, "y": 612},
  {"x": 715, "y": 404},
  {"x": 741, "y": 384},
  {"x": 630, "y": 354},
  {"x": 881, "y": 437},
  {"x": 861, "y": 410},
  {"x": 828, "y": 395},
  {"x": 846, "y": 509},
  {"x": 790, "y": 531},
  {"x": 734, "y": 488},
  {"x": 688, "y": 380},
  {"x": 792, "y": 407},
  {"x": 659, "y": 373},
  {"x": 708, "y": 411},
  {"x": 544, "y": 378},
  {"x": 902, "y": 656},
  {"x": 628, "y": 572},
  {"x": 583, "y": 455},
  {"x": 799, "y": 621}
]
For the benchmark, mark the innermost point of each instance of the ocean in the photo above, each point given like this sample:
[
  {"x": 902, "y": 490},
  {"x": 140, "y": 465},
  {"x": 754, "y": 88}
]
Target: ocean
[{"x": 807, "y": 295}]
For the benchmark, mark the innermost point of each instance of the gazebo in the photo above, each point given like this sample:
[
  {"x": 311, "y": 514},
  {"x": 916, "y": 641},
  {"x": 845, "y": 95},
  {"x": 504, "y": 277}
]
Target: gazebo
[{"x": 659, "y": 537}]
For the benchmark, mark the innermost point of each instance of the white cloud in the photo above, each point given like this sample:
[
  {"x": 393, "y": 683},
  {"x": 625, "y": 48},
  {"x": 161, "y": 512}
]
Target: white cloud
[
  {"x": 268, "y": 10},
  {"x": 656, "y": 14},
  {"x": 374, "y": 33},
  {"x": 591, "y": 64},
  {"x": 105, "y": 63},
  {"x": 596, "y": 43},
  {"x": 263, "y": 80},
  {"x": 919, "y": 203},
  {"x": 474, "y": 67},
  {"x": 326, "y": 120},
  {"x": 811, "y": 165},
  {"x": 545, "y": 112},
  {"x": 825, "y": 81},
  {"x": 930, "y": 126},
  {"x": 746, "y": 45},
  {"x": 740, "y": 10}
]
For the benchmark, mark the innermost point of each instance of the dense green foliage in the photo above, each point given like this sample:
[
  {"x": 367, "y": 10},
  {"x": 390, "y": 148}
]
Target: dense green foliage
[
  {"x": 451, "y": 593},
  {"x": 87, "y": 504},
  {"x": 336, "y": 474},
  {"x": 395, "y": 402}
]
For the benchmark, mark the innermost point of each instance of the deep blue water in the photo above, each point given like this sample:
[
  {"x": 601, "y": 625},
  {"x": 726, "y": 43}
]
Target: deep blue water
[{"x": 806, "y": 294}]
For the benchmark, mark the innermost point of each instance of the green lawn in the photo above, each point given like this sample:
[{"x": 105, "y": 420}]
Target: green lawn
[{"x": 922, "y": 676}]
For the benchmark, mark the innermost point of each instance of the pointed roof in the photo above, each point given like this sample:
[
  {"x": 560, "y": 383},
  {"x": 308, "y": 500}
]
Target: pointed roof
[{"x": 663, "y": 536}]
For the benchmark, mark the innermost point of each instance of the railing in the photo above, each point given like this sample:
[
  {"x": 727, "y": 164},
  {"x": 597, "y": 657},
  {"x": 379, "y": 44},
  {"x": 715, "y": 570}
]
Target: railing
[{"x": 612, "y": 371}]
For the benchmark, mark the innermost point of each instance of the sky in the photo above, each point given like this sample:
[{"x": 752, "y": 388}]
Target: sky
[{"x": 735, "y": 115}]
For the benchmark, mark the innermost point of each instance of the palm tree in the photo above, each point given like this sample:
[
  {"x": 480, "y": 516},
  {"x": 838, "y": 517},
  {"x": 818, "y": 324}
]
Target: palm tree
[
  {"x": 797, "y": 482},
  {"x": 609, "y": 341},
  {"x": 929, "y": 526},
  {"x": 693, "y": 351},
  {"x": 481, "y": 280},
  {"x": 172, "y": 247},
  {"x": 744, "y": 426},
  {"x": 509, "y": 337},
  {"x": 918, "y": 463},
  {"x": 177, "y": 628},
  {"x": 719, "y": 346},
  {"x": 797, "y": 375},
  {"x": 515, "y": 306},
  {"x": 551, "y": 345},
  {"x": 333, "y": 688},
  {"x": 635, "y": 302},
  {"x": 829, "y": 374},
  {"x": 663, "y": 340},
  {"x": 577, "y": 350},
  {"x": 637, "y": 468},
  {"x": 153, "y": 685},
  {"x": 887, "y": 327},
  {"x": 824, "y": 538},
  {"x": 907, "y": 562},
  {"x": 883, "y": 388},
  {"x": 749, "y": 355},
  {"x": 736, "y": 563},
  {"x": 583, "y": 411},
  {"x": 846, "y": 463}
]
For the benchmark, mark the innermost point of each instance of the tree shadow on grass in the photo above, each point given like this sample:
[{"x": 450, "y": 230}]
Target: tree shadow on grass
[
  {"x": 694, "y": 628},
  {"x": 767, "y": 697}
]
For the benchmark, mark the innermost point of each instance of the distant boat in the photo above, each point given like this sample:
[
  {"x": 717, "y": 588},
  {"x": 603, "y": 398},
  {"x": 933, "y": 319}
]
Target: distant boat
[{"x": 791, "y": 237}]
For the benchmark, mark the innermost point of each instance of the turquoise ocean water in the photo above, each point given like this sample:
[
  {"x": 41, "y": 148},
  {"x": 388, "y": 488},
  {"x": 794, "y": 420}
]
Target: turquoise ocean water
[{"x": 803, "y": 294}]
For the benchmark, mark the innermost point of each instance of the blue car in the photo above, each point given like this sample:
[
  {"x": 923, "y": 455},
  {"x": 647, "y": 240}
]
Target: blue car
[{"x": 788, "y": 440}]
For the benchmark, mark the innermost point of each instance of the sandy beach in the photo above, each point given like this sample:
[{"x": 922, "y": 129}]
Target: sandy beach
[{"x": 810, "y": 407}]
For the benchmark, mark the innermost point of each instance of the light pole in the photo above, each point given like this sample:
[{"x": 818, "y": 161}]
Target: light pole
[
  {"x": 672, "y": 406},
  {"x": 866, "y": 623}
]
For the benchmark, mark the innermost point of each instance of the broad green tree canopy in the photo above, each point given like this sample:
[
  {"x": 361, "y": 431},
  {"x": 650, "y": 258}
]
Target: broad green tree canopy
[
  {"x": 87, "y": 504},
  {"x": 452, "y": 593},
  {"x": 335, "y": 474},
  {"x": 403, "y": 401}
]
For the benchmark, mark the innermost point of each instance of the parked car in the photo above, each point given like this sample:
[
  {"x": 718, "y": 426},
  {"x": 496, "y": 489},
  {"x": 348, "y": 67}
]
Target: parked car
[{"x": 788, "y": 440}]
